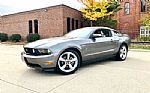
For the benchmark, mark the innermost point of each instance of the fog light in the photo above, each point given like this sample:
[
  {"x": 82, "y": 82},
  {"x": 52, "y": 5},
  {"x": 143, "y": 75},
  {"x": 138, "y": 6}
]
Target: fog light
[{"x": 49, "y": 63}]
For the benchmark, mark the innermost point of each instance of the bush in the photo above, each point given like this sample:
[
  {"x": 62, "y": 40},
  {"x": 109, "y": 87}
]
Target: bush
[
  {"x": 3, "y": 37},
  {"x": 33, "y": 37},
  {"x": 143, "y": 38},
  {"x": 138, "y": 46},
  {"x": 15, "y": 37}
]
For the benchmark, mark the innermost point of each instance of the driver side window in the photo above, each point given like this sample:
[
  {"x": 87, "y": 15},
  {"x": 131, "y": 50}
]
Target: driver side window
[
  {"x": 103, "y": 32},
  {"x": 99, "y": 31}
]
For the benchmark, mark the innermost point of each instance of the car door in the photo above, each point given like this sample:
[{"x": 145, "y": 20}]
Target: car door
[{"x": 100, "y": 46}]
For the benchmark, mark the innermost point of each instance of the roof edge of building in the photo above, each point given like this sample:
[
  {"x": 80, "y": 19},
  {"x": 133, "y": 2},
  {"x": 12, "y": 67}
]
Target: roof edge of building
[{"x": 29, "y": 11}]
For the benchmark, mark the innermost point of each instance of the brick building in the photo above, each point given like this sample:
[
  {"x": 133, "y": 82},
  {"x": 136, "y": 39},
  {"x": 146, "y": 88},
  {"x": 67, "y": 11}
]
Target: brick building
[
  {"x": 60, "y": 19},
  {"x": 48, "y": 22},
  {"x": 128, "y": 18}
]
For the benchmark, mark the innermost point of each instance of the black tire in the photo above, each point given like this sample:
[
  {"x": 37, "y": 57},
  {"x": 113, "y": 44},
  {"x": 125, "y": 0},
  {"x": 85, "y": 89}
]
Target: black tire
[
  {"x": 122, "y": 53},
  {"x": 76, "y": 64}
]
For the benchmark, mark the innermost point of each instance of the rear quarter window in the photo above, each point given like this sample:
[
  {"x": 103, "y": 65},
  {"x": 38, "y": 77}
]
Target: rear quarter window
[{"x": 116, "y": 33}]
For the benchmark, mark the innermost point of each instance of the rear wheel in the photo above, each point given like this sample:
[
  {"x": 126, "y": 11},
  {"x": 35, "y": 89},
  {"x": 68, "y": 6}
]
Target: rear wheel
[
  {"x": 68, "y": 62},
  {"x": 122, "y": 53}
]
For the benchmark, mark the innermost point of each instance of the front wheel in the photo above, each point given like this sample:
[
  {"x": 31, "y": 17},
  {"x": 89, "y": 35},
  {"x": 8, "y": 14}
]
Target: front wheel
[
  {"x": 68, "y": 62},
  {"x": 122, "y": 53}
]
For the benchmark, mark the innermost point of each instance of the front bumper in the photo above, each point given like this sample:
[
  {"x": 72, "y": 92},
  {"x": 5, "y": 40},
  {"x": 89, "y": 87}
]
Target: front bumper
[{"x": 40, "y": 62}]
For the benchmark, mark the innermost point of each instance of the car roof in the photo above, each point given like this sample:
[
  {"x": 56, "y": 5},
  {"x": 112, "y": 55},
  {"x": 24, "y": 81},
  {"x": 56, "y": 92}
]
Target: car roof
[{"x": 100, "y": 27}]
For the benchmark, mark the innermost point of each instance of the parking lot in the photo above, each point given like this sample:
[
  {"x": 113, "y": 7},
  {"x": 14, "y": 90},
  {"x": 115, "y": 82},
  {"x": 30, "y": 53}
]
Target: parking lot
[{"x": 109, "y": 76}]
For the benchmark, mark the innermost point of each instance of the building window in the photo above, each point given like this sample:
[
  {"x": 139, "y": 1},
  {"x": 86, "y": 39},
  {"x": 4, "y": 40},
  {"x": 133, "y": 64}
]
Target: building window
[
  {"x": 77, "y": 24},
  {"x": 144, "y": 31},
  {"x": 127, "y": 8},
  {"x": 68, "y": 24},
  {"x": 30, "y": 26},
  {"x": 120, "y": 0},
  {"x": 143, "y": 6},
  {"x": 36, "y": 26},
  {"x": 81, "y": 25},
  {"x": 72, "y": 23}
]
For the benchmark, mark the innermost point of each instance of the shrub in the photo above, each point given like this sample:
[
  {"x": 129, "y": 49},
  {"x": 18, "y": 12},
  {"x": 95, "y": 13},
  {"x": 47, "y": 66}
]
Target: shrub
[
  {"x": 33, "y": 37},
  {"x": 138, "y": 46},
  {"x": 143, "y": 38},
  {"x": 15, "y": 37},
  {"x": 3, "y": 37}
]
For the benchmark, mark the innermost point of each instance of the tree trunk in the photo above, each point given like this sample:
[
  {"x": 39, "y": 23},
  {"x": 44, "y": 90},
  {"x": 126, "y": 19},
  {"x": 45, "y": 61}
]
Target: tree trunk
[{"x": 91, "y": 22}]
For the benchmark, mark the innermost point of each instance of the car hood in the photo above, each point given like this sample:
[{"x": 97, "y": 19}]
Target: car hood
[{"x": 45, "y": 43}]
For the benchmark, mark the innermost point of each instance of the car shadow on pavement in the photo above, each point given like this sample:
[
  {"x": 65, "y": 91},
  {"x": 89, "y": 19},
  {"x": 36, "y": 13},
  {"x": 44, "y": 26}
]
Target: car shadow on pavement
[
  {"x": 84, "y": 66},
  {"x": 35, "y": 72},
  {"x": 97, "y": 62}
]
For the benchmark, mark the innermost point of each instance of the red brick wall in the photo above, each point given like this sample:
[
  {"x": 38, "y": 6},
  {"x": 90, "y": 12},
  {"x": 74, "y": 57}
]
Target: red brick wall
[
  {"x": 129, "y": 23},
  {"x": 52, "y": 21},
  {"x": 72, "y": 13}
]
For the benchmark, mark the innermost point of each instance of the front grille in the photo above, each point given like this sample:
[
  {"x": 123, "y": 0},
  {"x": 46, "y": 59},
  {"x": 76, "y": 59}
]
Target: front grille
[{"x": 31, "y": 51}]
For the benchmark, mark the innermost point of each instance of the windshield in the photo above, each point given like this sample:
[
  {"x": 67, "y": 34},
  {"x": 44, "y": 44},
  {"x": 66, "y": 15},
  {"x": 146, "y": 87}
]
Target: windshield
[{"x": 82, "y": 33}]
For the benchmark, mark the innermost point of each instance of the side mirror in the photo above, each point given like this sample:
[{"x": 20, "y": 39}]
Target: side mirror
[{"x": 96, "y": 36}]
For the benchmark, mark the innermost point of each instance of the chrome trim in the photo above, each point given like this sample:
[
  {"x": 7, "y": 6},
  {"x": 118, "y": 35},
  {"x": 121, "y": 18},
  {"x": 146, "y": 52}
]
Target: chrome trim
[{"x": 100, "y": 52}]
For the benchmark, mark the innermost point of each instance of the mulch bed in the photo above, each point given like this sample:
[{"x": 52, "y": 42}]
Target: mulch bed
[{"x": 14, "y": 43}]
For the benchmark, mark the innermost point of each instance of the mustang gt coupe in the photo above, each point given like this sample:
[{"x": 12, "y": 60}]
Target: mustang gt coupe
[{"x": 65, "y": 54}]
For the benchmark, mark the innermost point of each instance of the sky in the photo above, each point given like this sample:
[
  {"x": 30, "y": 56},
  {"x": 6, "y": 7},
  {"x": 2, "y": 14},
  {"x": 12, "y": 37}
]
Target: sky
[{"x": 14, "y": 6}]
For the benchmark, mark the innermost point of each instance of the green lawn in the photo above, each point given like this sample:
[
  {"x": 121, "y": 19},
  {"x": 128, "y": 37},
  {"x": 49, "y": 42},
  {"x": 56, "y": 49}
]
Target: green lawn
[{"x": 139, "y": 46}]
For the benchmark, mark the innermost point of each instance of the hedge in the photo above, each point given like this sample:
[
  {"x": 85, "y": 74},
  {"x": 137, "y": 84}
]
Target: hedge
[
  {"x": 15, "y": 37},
  {"x": 3, "y": 37},
  {"x": 32, "y": 37}
]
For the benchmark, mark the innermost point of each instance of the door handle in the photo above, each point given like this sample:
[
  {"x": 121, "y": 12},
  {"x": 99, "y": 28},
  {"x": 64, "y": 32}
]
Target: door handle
[{"x": 112, "y": 40}]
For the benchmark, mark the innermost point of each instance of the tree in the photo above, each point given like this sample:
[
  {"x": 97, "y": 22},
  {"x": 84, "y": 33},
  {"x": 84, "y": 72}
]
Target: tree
[
  {"x": 95, "y": 10},
  {"x": 106, "y": 21},
  {"x": 145, "y": 20},
  {"x": 114, "y": 6}
]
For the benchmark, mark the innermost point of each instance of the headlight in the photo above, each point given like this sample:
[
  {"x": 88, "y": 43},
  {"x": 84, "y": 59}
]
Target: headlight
[{"x": 44, "y": 51}]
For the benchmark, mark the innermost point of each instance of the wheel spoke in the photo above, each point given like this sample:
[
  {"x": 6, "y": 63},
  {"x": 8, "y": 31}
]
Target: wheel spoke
[
  {"x": 68, "y": 55},
  {"x": 71, "y": 67},
  {"x": 62, "y": 59},
  {"x": 64, "y": 66},
  {"x": 121, "y": 51},
  {"x": 74, "y": 59},
  {"x": 121, "y": 55}
]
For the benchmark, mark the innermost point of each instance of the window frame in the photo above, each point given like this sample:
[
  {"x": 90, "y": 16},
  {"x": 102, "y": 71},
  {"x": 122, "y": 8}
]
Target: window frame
[
  {"x": 68, "y": 24},
  {"x": 77, "y": 24},
  {"x": 73, "y": 28},
  {"x": 142, "y": 8},
  {"x": 36, "y": 26},
  {"x": 127, "y": 8},
  {"x": 110, "y": 33},
  {"x": 30, "y": 26}
]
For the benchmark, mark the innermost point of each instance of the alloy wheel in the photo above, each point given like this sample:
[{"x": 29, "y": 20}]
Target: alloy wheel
[
  {"x": 68, "y": 62},
  {"x": 123, "y": 52}
]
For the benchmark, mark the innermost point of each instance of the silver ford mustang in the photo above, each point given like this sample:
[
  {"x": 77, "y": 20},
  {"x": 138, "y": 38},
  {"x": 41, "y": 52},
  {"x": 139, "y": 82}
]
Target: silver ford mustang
[{"x": 65, "y": 54}]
